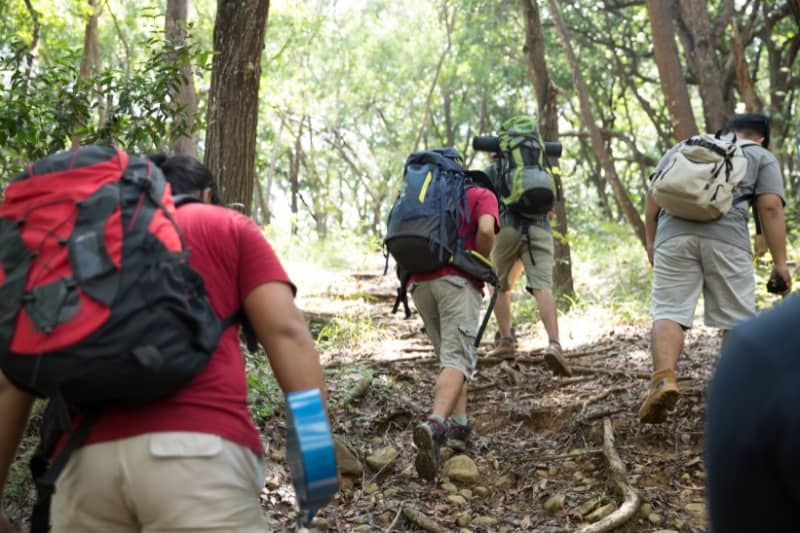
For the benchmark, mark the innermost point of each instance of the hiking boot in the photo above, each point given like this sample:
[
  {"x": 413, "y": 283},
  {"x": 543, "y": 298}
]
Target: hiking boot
[
  {"x": 661, "y": 398},
  {"x": 555, "y": 361},
  {"x": 458, "y": 436},
  {"x": 428, "y": 437},
  {"x": 504, "y": 347}
]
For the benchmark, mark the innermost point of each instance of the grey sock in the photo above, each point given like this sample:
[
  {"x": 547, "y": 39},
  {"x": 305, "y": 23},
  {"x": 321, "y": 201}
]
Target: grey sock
[{"x": 461, "y": 420}]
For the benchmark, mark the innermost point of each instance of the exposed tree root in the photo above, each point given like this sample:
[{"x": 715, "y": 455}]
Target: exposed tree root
[
  {"x": 512, "y": 374},
  {"x": 423, "y": 521},
  {"x": 618, "y": 475},
  {"x": 601, "y": 395}
]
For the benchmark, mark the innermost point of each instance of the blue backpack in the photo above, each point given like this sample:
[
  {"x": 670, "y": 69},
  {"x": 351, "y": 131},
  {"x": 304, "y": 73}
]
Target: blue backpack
[{"x": 422, "y": 230}]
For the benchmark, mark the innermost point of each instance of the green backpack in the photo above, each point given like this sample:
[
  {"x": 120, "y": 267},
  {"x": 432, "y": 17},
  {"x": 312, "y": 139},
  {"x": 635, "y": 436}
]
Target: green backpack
[{"x": 525, "y": 186}]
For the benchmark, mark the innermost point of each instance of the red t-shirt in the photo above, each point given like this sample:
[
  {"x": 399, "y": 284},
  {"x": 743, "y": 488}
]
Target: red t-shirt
[
  {"x": 481, "y": 202},
  {"x": 231, "y": 254}
]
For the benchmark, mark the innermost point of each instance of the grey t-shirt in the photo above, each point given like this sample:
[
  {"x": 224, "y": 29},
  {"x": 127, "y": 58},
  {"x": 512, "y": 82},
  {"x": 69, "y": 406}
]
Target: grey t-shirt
[{"x": 763, "y": 176}]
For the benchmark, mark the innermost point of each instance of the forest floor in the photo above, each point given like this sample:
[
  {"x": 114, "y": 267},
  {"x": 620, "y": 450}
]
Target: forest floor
[{"x": 538, "y": 440}]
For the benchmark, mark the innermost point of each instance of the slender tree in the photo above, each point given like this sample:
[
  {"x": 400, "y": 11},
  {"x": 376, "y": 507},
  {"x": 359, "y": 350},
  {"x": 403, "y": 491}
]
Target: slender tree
[
  {"x": 673, "y": 83},
  {"x": 548, "y": 124},
  {"x": 176, "y": 32},
  {"x": 598, "y": 147},
  {"x": 90, "y": 63},
  {"x": 233, "y": 98}
]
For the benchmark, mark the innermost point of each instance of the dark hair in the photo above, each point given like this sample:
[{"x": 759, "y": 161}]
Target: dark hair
[
  {"x": 757, "y": 123},
  {"x": 186, "y": 174}
]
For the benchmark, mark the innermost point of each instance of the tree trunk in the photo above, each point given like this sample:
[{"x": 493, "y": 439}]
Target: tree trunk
[
  {"x": 673, "y": 83},
  {"x": 703, "y": 58},
  {"x": 233, "y": 98},
  {"x": 548, "y": 125},
  {"x": 176, "y": 32},
  {"x": 626, "y": 206},
  {"x": 294, "y": 174},
  {"x": 90, "y": 64},
  {"x": 743, "y": 79}
]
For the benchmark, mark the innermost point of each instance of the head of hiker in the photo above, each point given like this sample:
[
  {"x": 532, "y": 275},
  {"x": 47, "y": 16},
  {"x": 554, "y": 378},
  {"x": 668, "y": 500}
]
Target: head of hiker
[
  {"x": 752, "y": 126},
  {"x": 187, "y": 175}
]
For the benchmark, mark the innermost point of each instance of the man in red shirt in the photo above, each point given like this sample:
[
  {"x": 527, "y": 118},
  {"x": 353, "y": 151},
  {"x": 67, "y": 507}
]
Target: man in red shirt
[
  {"x": 192, "y": 461},
  {"x": 449, "y": 301}
]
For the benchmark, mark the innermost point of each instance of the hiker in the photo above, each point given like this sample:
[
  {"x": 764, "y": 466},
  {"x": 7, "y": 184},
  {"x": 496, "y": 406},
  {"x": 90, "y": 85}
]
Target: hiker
[
  {"x": 526, "y": 238},
  {"x": 447, "y": 296},
  {"x": 713, "y": 256},
  {"x": 192, "y": 460},
  {"x": 753, "y": 426}
]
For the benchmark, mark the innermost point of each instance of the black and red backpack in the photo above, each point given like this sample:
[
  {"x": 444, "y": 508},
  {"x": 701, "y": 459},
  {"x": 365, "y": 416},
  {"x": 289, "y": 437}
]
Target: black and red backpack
[{"x": 98, "y": 304}]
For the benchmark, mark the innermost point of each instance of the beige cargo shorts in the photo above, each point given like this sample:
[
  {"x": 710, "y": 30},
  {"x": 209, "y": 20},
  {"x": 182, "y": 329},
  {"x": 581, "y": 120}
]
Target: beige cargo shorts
[
  {"x": 686, "y": 265},
  {"x": 538, "y": 260},
  {"x": 450, "y": 308}
]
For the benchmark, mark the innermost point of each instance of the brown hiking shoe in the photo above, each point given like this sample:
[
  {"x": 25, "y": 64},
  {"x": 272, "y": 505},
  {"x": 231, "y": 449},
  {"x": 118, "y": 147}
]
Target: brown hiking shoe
[
  {"x": 504, "y": 347},
  {"x": 555, "y": 361},
  {"x": 661, "y": 398}
]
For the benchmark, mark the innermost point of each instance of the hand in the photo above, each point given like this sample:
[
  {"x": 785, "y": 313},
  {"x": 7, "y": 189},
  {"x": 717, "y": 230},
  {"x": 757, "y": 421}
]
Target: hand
[
  {"x": 650, "y": 252},
  {"x": 782, "y": 271}
]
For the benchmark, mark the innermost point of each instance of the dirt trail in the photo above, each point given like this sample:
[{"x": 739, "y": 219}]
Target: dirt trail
[{"x": 537, "y": 438}]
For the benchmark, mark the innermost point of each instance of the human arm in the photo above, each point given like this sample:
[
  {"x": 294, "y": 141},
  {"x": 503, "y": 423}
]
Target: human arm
[
  {"x": 651, "y": 211},
  {"x": 282, "y": 331},
  {"x": 770, "y": 214},
  {"x": 15, "y": 408},
  {"x": 484, "y": 238}
]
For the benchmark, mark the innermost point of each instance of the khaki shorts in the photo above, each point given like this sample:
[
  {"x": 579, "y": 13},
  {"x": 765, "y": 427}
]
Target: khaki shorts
[
  {"x": 160, "y": 482},
  {"x": 450, "y": 307},
  {"x": 509, "y": 249},
  {"x": 685, "y": 265}
]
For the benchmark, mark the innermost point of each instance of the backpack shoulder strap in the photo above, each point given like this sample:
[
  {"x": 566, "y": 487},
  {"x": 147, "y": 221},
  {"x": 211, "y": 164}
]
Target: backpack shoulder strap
[{"x": 238, "y": 317}]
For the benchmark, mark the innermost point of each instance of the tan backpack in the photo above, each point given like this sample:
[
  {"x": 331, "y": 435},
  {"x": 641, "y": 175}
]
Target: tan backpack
[{"x": 698, "y": 180}]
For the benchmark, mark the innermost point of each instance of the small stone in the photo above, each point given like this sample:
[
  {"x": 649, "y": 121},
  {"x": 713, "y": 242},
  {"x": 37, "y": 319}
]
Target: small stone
[
  {"x": 686, "y": 438},
  {"x": 578, "y": 476},
  {"x": 637, "y": 469},
  {"x": 407, "y": 472},
  {"x": 699, "y": 474},
  {"x": 481, "y": 491},
  {"x": 553, "y": 470},
  {"x": 655, "y": 519},
  {"x": 319, "y": 522},
  {"x": 462, "y": 468},
  {"x": 553, "y": 504},
  {"x": 445, "y": 454},
  {"x": 542, "y": 474},
  {"x": 413, "y": 485},
  {"x": 697, "y": 511},
  {"x": 570, "y": 465},
  {"x": 601, "y": 512},
  {"x": 278, "y": 455},
  {"x": 464, "y": 530},
  {"x": 483, "y": 521},
  {"x": 382, "y": 458},
  {"x": 645, "y": 509},
  {"x": 449, "y": 487},
  {"x": 505, "y": 529},
  {"x": 347, "y": 458},
  {"x": 464, "y": 519},
  {"x": 502, "y": 481},
  {"x": 391, "y": 492},
  {"x": 386, "y": 518},
  {"x": 587, "y": 507},
  {"x": 346, "y": 483},
  {"x": 466, "y": 493},
  {"x": 363, "y": 528},
  {"x": 456, "y": 499},
  {"x": 686, "y": 477},
  {"x": 371, "y": 489},
  {"x": 273, "y": 483}
]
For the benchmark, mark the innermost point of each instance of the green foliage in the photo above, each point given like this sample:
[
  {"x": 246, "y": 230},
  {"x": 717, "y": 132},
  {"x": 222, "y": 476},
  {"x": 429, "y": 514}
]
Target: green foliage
[
  {"x": 44, "y": 105},
  {"x": 264, "y": 397}
]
